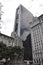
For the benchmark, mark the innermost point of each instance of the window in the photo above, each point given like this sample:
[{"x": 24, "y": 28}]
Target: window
[
  {"x": 16, "y": 27},
  {"x": 39, "y": 60},
  {"x": 17, "y": 17},
  {"x": 42, "y": 60},
  {"x": 42, "y": 27}
]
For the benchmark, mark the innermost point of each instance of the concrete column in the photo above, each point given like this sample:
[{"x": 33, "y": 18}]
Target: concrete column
[
  {"x": 19, "y": 21},
  {"x": 41, "y": 61}
]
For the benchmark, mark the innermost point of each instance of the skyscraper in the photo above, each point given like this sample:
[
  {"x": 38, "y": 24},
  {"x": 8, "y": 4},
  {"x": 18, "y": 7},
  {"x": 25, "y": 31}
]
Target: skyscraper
[{"x": 23, "y": 17}]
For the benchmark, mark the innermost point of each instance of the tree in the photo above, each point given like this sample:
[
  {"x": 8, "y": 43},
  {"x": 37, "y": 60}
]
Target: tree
[
  {"x": 18, "y": 51},
  {"x": 10, "y": 52},
  {"x": 2, "y": 50}
]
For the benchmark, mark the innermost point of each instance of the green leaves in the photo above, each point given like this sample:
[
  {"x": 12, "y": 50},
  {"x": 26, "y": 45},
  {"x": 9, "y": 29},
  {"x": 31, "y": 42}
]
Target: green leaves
[
  {"x": 10, "y": 52},
  {"x": 2, "y": 50}
]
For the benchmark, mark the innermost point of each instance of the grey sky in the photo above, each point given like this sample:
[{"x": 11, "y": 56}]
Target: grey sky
[{"x": 9, "y": 9}]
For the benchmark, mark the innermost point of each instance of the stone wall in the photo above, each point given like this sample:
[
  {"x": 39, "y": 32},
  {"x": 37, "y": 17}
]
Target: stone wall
[
  {"x": 16, "y": 62},
  {"x": 9, "y": 41}
]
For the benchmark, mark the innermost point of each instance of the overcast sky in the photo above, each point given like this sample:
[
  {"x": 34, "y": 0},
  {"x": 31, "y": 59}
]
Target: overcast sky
[{"x": 9, "y": 9}]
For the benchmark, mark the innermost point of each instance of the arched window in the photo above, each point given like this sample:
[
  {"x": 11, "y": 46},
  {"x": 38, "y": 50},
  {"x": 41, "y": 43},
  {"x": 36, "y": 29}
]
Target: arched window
[{"x": 39, "y": 60}]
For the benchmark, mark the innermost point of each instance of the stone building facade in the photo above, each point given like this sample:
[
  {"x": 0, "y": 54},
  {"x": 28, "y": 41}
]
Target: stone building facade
[
  {"x": 37, "y": 39},
  {"x": 9, "y": 41}
]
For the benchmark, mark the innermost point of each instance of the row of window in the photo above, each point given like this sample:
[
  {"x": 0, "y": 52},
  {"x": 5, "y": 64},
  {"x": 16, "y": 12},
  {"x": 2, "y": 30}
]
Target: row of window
[
  {"x": 37, "y": 60},
  {"x": 38, "y": 54},
  {"x": 37, "y": 38}
]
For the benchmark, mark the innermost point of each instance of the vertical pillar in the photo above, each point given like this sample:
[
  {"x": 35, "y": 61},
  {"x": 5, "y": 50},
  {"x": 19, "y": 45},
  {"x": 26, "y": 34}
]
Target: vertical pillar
[
  {"x": 19, "y": 21},
  {"x": 41, "y": 61}
]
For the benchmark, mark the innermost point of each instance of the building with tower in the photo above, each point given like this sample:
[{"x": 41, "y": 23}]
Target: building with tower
[
  {"x": 37, "y": 39},
  {"x": 8, "y": 40},
  {"x": 22, "y": 29},
  {"x": 20, "y": 32},
  {"x": 22, "y": 19}
]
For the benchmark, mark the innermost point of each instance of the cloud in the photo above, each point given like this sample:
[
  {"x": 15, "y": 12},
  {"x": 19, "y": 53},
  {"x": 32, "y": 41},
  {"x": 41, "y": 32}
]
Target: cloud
[{"x": 9, "y": 9}]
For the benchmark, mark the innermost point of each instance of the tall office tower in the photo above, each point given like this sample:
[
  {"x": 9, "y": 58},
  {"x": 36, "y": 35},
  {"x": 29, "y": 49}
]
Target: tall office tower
[
  {"x": 23, "y": 17},
  {"x": 0, "y": 16},
  {"x": 37, "y": 40}
]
